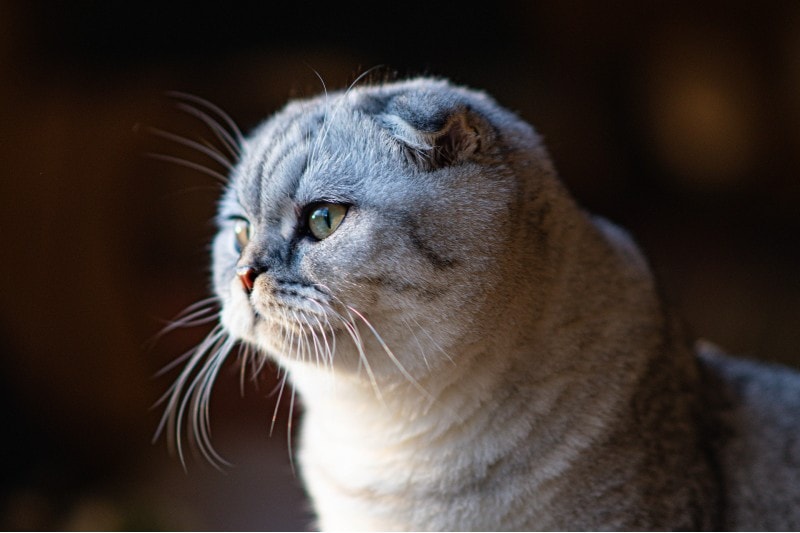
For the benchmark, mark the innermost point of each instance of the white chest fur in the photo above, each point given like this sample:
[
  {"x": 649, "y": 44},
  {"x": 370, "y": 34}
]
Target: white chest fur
[{"x": 479, "y": 454}]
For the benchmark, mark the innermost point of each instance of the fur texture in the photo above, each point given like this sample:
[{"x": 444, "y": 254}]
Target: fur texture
[{"x": 474, "y": 351}]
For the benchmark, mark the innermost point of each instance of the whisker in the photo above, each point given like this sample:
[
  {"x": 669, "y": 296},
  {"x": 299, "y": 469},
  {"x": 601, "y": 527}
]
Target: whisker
[
  {"x": 207, "y": 150},
  {"x": 289, "y": 431},
  {"x": 192, "y": 390},
  {"x": 196, "y": 354},
  {"x": 258, "y": 366},
  {"x": 295, "y": 336},
  {"x": 391, "y": 355},
  {"x": 244, "y": 355},
  {"x": 170, "y": 420},
  {"x": 287, "y": 333},
  {"x": 339, "y": 105},
  {"x": 197, "y": 318},
  {"x": 327, "y": 352},
  {"x": 313, "y": 152},
  {"x": 278, "y": 403},
  {"x": 436, "y": 344},
  {"x": 201, "y": 413},
  {"x": 221, "y": 133},
  {"x": 321, "y": 81},
  {"x": 351, "y": 327},
  {"x": 419, "y": 344},
  {"x": 331, "y": 345},
  {"x": 187, "y": 318},
  {"x": 221, "y": 178},
  {"x": 197, "y": 401},
  {"x": 198, "y": 304},
  {"x": 318, "y": 351},
  {"x": 302, "y": 334},
  {"x": 214, "y": 109},
  {"x": 170, "y": 366}
]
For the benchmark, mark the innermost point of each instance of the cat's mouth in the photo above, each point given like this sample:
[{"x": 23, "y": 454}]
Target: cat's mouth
[
  {"x": 295, "y": 334},
  {"x": 302, "y": 322},
  {"x": 288, "y": 321}
]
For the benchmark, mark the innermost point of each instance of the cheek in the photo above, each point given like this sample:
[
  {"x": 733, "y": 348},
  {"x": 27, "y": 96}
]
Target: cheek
[
  {"x": 369, "y": 271},
  {"x": 223, "y": 266},
  {"x": 338, "y": 265},
  {"x": 237, "y": 316}
]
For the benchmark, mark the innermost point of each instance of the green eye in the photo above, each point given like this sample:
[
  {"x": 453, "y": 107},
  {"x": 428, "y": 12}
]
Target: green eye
[
  {"x": 325, "y": 218},
  {"x": 241, "y": 230}
]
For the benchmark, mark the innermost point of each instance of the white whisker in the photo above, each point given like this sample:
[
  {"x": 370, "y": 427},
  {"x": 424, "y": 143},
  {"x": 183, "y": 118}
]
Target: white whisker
[
  {"x": 202, "y": 404},
  {"x": 328, "y": 351},
  {"x": 204, "y": 149},
  {"x": 352, "y": 330},
  {"x": 339, "y": 105},
  {"x": 171, "y": 365},
  {"x": 221, "y": 133},
  {"x": 214, "y": 109},
  {"x": 302, "y": 334},
  {"x": 179, "y": 393},
  {"x": 197, "y": 305},
  {"x": 173, "y": 393},
  {"x": 433, "y": 341},
  {"x": 313, "y": 152},
  {"x": 289, "y": 430},
  {"x": 196, "y": 396},
  {"x": 244, "y": 355},
  {"x": 419, "y": 344},
  {"x": 278, "y": 403},
  {"x": 391, "y": 355},
  {"x": 258, "y": 365},
  {"x": 193, "y": 315},
  {"x": 319, "y": 352},
  {"x": 302, "y": 348},
  {"x": 190, "y": 164}
]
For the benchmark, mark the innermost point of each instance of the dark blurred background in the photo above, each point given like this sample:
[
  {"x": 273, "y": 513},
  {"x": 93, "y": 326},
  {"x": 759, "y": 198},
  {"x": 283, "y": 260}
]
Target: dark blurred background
[{"x": 680, "y": 120}]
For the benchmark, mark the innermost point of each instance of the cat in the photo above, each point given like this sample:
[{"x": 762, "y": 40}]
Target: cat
[{"x": 473, "y": 351}]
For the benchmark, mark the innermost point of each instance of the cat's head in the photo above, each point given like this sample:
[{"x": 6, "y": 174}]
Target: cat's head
[{"x": 370, "y": 230}]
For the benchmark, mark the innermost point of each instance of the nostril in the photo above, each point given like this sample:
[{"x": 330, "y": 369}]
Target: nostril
[{"x": 247, "y": 275}]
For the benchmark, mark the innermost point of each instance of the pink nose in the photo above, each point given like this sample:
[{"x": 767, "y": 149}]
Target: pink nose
[{"x": 247, "y": 275}]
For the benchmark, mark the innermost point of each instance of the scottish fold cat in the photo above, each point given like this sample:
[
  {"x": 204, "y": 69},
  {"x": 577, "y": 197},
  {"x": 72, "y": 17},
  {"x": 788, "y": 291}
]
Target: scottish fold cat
[{"x": 473, "y": 351}]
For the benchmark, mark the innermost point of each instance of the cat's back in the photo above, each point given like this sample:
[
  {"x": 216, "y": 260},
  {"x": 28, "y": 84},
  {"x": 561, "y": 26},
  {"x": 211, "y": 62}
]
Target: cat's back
[{"x": 757, "y": 440}]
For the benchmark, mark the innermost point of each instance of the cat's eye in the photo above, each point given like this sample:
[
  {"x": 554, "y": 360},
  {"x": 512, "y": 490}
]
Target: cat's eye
[
  {"x": 323, "y": 219},
  {"x": 241, "y": 233}
]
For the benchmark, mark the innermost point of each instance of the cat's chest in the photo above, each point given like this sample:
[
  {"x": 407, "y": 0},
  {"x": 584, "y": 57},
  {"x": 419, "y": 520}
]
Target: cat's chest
[
  {"x": 405, "y": 497},
  {"x": 363, "y": 478}
]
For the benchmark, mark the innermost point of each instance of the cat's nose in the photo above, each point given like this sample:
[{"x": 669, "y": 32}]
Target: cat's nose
[{"x": 247, "y": 275}]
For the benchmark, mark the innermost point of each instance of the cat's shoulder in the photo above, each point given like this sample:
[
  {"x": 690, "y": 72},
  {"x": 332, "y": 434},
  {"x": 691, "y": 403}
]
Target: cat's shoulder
[
  {"x": 761, "y": 384},
  {"x": 756, "y": 408}
]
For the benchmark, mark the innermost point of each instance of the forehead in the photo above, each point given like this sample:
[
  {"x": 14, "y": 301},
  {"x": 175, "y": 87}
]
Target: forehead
[{"x": 312, "y": 151}]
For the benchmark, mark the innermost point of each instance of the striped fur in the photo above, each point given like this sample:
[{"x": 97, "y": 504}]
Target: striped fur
[{"x": 473, "y": 350}]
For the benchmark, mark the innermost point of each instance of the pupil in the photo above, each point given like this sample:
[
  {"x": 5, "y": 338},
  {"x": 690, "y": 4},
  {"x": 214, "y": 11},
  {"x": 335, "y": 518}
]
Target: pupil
[{"x": 324, "y": 219}]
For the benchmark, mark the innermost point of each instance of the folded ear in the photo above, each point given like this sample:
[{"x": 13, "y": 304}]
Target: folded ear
[
  {"x": 437, "y": 131},
  {"x": 457, "y": 141}
]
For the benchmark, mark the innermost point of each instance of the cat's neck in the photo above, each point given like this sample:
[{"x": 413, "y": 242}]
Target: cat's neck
[
  {"x": 566, "y": 380},
  {"x": 574, "y": 337}
]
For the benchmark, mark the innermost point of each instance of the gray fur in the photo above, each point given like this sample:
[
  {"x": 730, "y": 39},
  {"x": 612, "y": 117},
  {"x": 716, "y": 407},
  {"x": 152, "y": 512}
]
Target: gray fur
[{"x": 502, "y": 359}]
